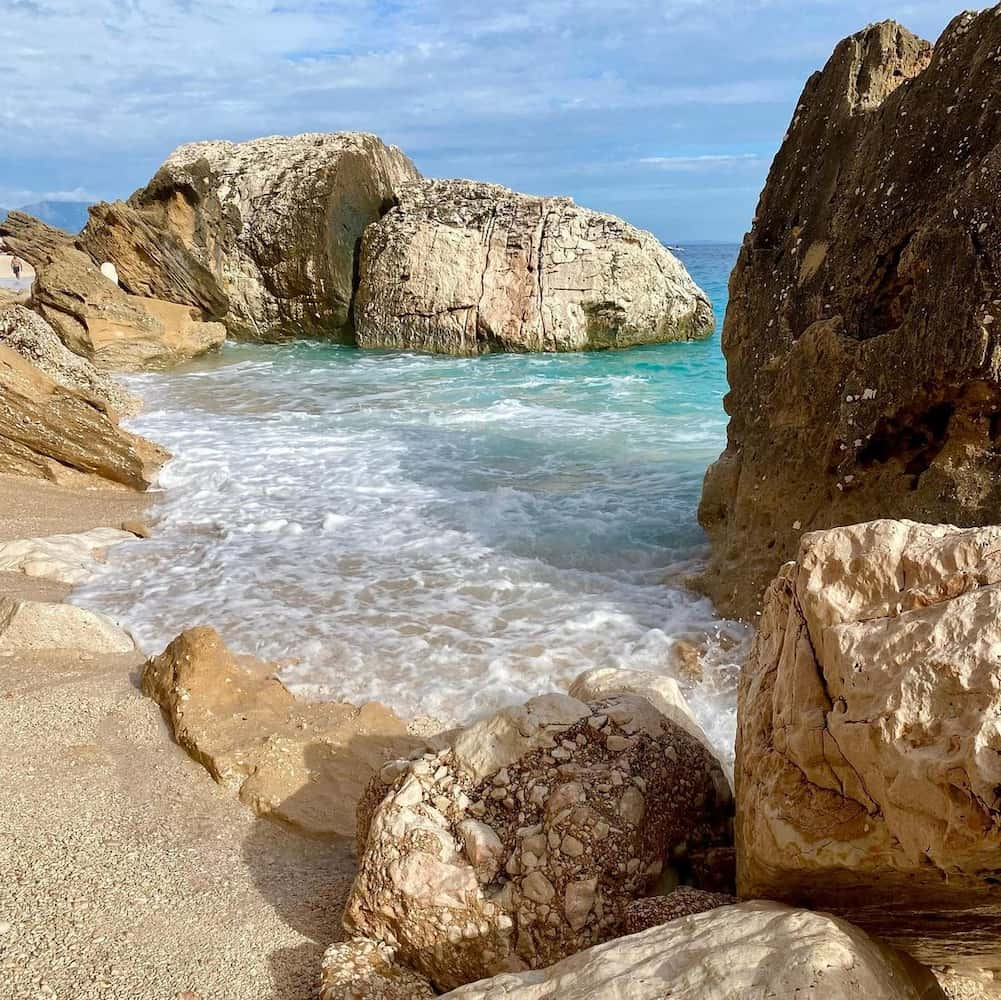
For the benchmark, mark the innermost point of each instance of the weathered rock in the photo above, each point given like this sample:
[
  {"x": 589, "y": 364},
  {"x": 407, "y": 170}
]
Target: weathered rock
[
  {"x": 460, "y": 267},
  {"x": 30, "y": 336},
  {"x": 869, "y": 739},
  {"x": 52, "y": 432},
  {"x": 527, "y": 839},
  {"x": 28, "y": 626},
  {"x": 753, "y": 951},
  {"x": 305, "y": 765},
  {"x": 94, "y": 317},
  {"x": 365, "y": 970},
  {"x": 275, "y": 221},
  {"x": 66, "y": 559},
  {"x": 861, "y": 337},
  {"x": 683, "y": 902}
]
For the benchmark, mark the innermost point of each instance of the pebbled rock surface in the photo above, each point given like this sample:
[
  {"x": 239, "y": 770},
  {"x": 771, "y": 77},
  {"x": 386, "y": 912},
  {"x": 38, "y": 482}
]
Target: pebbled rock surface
[
  {"x": 869, "y": 738},
  {"x": 366, "y": 970},
  {"x": 862, "y": 333},
  {"x": 276, "y": 222},
  {"x": 461, "y": 267},
  {"x": 303, "y": 765},
  {"x": 527, "y": 839},
  {"x": 95, "y": 318},
  {"x": 683, "y": 902},
  {"x": 753, "y": 951}
]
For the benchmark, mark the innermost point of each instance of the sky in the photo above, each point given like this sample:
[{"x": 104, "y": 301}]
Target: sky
[{"x": 665, "y": 112}]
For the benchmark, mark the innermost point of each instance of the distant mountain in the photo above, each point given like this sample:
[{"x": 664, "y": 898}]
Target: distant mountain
[{"x": 68, "y": 215}]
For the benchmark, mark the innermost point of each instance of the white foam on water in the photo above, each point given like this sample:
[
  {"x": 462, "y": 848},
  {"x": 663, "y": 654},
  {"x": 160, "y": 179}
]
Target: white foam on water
[{"x": 445, "y": 536}]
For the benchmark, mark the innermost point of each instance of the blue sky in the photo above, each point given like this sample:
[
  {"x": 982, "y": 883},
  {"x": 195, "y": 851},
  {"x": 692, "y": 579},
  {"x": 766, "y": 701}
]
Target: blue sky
[{"x": 666, "y": 112}]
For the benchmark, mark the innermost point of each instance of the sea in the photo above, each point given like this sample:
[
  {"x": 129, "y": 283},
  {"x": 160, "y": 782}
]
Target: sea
[{"x": 445, "y": 536}]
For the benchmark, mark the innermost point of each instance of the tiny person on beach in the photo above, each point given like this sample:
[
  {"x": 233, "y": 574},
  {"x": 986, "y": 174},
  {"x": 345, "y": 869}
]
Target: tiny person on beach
[{"x": 15, "y": 266}]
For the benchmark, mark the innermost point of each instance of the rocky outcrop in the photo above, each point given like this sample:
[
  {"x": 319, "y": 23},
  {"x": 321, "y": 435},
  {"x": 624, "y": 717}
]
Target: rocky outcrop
[
  {"x": 270, "y": 228},
  {"x": 753, "y": 951},
  {"x": 95, "y": 318},
  {"x": 527, "y": 839},
  {"x": 869, "y": 741},
  {"x": 460, "y": 267},
  {"x": 31, "y": 627},
  {"x": 305, "y": 765},
  {"x": 53, "y": 432},
  {"x": 365, "y": 970},
  {"x": 861, "y": 337},
  {"x": 30, "y": 336}
]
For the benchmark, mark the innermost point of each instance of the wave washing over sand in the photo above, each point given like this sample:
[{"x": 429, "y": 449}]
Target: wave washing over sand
[{"x": 442, "y": 535}]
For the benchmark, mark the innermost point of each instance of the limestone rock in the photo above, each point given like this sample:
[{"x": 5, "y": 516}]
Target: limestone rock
[
  {"x": 683, "y": 902},
  {"x": 30, "y": 336},
  {"x": 527, "y": 838},
  {"x": 66, "y": 559},
  {"x": 53, "y": 432},
  {"x": 276, "y": 222},
  {"x": 869, "y": 737},
  {"x": 28, "y": 626},
  {"x": 664, "y": 693},
  {"x": 460, "y": 267},
  {"x": 364, "y": 970},
  {"x": 861, "y": 335},
  {"x": 305, "y": 765},
  {"x": 93, "y": 317},
  {"x": 754, "y": 951}
]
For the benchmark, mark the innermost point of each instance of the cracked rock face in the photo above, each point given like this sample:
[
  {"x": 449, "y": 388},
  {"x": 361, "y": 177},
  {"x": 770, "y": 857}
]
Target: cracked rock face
[
  {"x": 861, "y": 336},
  {"x": 526, "y": 840},
  {"x": 750, "y": 951},
  {"x": 461, "y": 267},
  {"x": 276, "y": 222},
  {"x": 869, "y": 737}
]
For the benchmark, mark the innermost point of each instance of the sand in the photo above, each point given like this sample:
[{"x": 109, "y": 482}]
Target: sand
[{"x": 125, "y": 871}]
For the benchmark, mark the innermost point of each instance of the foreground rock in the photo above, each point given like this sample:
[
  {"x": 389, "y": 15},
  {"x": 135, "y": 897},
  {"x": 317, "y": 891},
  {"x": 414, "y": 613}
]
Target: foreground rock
[
  {"x": 305, "y": 765},
  {"x": 861, "y": 334},
  {"x": 264, "y": 233},
  {"x": 95, "y": 318},
  {"x": 50, "y": 431},
  {"x": 365, "y": 970},
  {"x": 31, "y": 627},
  {"x": 869, "y": 744},
  {"x": 528, "y": 838},
  {"x": 30, "y": 336},
  {"x": 753, "y": 951},
  {"x": 68, "y": 559},
  {"x": 460, "y": 267}
]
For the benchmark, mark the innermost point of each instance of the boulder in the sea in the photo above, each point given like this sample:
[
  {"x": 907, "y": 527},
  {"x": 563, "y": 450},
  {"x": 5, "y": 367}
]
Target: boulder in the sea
[
  {"x": 25, "y": 332},
  {"x": 96, "y": 319},
  {"x": 33, "y": 627},
  {"x": 68, "y": 559},
  {"x": 869, "y": 739},
  {"x": 753, "y": 951},
  {"x": 302, "y": 764},
  {"x": 51, "y": 431},
  {"x": 861, "y": 337},
  {"x": 461, "y": 267},
  {"x": 273, "y": 225},
  {"x": 527, "y": 839}
]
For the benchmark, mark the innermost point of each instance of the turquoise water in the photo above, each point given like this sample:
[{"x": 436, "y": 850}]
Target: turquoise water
[{"x": 443, "y": 535}]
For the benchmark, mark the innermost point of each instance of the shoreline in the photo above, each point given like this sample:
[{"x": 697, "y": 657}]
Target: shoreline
[{"x": 120, "y": 847}]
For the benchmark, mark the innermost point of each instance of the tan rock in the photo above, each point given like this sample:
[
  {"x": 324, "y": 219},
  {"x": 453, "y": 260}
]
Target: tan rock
[
  {"x": 509, "y": 849},
  {"x": 28, "y": 626},
  {"x": 305, "y": 765},
  {"x": 861, "y": 335},
  {"x": 26, "y": 333},
  {"x": 96, "y": 319},
  {"x": 53, "y": 432},
  {"x": 364, "y": 970},
  {"x": 869, "y": 740},
  {"x": 274, "y": 222},
  {"x": 460, "y": 267},
  {"x": 68, "y": 559},
  {"x": 753, "y": 951}
]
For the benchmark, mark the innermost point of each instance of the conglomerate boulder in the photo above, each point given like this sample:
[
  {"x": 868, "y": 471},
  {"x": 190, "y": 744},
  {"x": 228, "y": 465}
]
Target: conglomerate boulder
[
  {"x": 527, "y": 838},
  {"x": 862, "y": 332},
  {"x": 869, "y": 738},
  {"x": 462, "y": 267},
  {"x": 263, "y": 235}
]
